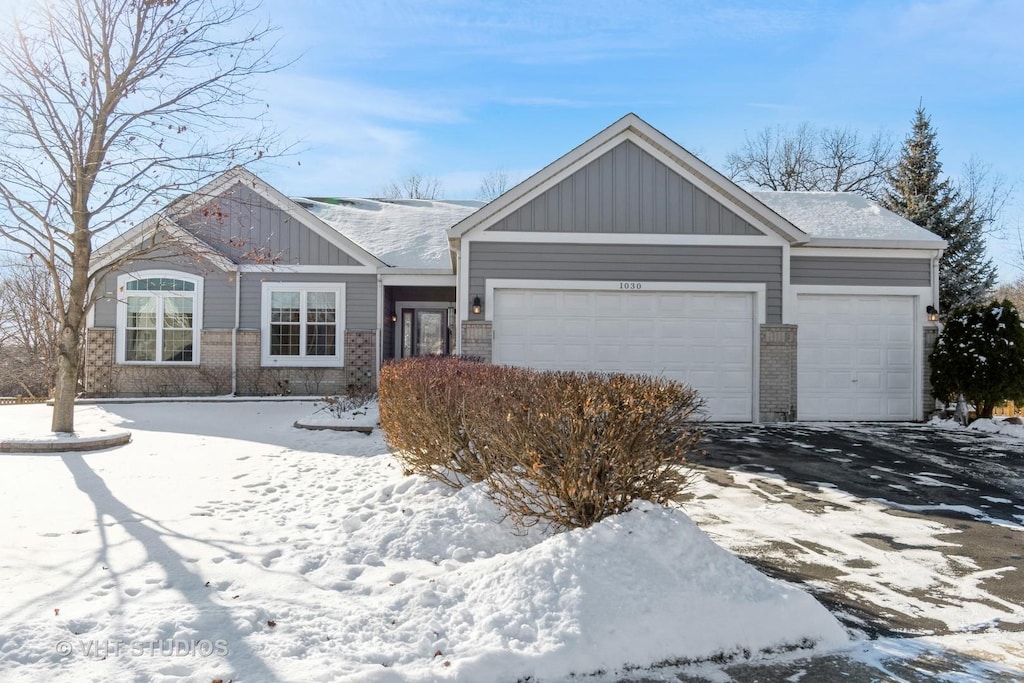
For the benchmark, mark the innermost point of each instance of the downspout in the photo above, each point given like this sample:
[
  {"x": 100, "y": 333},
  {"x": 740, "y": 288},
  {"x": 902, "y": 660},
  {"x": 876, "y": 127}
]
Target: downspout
[
  {"x": 935, "y": 280},
  {"x": 234, "y": 333},
  {"x": 380, "y": 330}
]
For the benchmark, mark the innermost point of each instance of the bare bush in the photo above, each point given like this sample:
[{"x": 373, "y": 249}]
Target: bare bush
[
  {"x": 424, "y": 404},
  {"x": 580, "y": 447},
  {"x": 562, "y": 448}
]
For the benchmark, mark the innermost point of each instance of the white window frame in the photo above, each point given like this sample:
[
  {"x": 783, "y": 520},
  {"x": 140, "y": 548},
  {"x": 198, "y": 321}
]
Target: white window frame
[
  {"x": 121, "y": 336},
  {"x": 337, "y": 360}
]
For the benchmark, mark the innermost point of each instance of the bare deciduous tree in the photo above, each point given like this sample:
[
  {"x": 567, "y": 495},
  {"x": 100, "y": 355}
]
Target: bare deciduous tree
[
  {"x": 809, "y": 159},
  {"x": 1013, "y": 291},
  {"x": 28, "y": 329},
  {"x": 109, "y": 108},
  {"x": 413, "y": 186},
  {"x": 494, "y": 184}
]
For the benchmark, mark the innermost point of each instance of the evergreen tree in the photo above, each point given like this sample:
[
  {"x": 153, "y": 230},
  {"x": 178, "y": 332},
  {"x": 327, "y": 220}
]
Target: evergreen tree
[
  {"x": 980, "y": 354},
  {"x": 918, "y": 192}
]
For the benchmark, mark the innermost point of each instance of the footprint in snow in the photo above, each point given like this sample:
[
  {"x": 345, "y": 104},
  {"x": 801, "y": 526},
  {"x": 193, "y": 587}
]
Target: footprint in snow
[{"x": 270, "y": 557}]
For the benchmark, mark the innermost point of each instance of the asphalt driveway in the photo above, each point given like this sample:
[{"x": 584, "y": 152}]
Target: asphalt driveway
[{"x": 919, "y": 532}]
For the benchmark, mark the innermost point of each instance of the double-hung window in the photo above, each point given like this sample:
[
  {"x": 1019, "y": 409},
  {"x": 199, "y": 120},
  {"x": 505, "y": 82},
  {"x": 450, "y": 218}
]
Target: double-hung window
[
  {"x": 159, "y": 317},
  {"x": 303, "y": 324}
]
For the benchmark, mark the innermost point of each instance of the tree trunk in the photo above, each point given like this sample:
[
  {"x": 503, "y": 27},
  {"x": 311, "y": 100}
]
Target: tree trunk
[{"x": 68, "y": 364}]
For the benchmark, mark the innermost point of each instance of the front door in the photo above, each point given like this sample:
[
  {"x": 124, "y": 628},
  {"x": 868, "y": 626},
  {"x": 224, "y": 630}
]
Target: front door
[{"x": 425, "y": 332}]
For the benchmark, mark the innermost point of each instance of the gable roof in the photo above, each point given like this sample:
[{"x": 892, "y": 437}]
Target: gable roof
[
  {"x": 183, "y": 205},
  {"x": 632, "y": 127},
  {"x": 845, "y": 218},
  {"x": 402, "y": 233}
]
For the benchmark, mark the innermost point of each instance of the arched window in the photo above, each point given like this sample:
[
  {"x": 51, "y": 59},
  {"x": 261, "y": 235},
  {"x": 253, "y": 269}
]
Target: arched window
[{"x": 159, "y": 317}]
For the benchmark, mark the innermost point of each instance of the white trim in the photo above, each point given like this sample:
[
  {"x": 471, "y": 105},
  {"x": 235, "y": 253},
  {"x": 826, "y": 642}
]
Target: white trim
[
  {"x": 789, "y": 306},
  {"x": 400, "y": 307},
  {"x": 379, "y": 345},
  {"x": 121, "y": 314},
  {"x": 122, "y": 245},
  {"x": 631, "y": 127},
  {"x": 337, "y": 360},
  {"x": 759, "y": 289},
  {"x": 875, "y": 243},
  {"x": 865, "y": 252},
  {"x": 439, "y": 280},
  {"x": 920, "y": 296},
  {"x": 327, "y": 270},
  {"x": 463, "y": 287},
  {"x": 626, "y": 238}
]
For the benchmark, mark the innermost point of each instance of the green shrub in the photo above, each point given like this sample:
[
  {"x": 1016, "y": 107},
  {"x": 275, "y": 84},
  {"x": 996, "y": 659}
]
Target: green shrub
[
  {"x": 564, "y": 448},
  {"x": 980, "y": 354}
]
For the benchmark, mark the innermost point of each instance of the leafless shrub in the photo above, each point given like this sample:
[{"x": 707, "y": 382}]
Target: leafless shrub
[
  {"x": 566, "y": 449},
  {"x": 424, "y": 403},
  {"x": 580, "y": 447}
]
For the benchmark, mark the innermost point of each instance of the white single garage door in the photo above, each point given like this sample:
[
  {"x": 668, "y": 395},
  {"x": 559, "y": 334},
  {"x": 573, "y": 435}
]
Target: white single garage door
[
  {"x": 855, "y": 357},
  {"x": 702, "y": 338}
]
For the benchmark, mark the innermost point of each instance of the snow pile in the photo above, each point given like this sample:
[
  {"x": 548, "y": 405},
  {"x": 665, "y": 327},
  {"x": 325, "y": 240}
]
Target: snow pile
[
  {"x": 1001, "y": 427},
  {"x": 843, "y": 215},
  {"x": 222, "y": 543},
  {"x": 404, "y": 233}
]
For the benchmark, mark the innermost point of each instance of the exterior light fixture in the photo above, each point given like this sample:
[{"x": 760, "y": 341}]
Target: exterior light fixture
[
  {"x": 933, "y": 315},
  {"x": 476, "y": 305},
  {"x": 394, "y": 317}
]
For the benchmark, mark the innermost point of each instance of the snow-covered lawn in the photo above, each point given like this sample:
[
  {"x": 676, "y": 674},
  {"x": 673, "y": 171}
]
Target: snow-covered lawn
[{"x": 224, "y": 543}]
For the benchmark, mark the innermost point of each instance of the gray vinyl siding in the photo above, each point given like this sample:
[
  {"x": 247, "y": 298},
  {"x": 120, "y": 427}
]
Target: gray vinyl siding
[
  {"x": 218, "y": 293},
  {"x": 246, "y": 227},
  {"x": 219, "y": 297},
  {"x": 626, "y": 190},
  {"x": 360, "y": 296},
  {"x": 635, "y": 262},
  {"x": 882, "y": 272}
]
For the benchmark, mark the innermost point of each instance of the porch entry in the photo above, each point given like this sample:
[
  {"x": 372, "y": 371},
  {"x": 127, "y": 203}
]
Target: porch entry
[{"x": 425, "y": 330}]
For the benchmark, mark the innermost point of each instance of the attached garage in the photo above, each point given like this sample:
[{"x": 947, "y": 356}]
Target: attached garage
[
  {"x": 855, "y": 357},
  {"x": 705, "y": 339}
]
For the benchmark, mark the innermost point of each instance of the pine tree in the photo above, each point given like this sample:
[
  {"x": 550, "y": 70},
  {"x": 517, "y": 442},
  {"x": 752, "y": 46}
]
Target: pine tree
[{"x": 918, "y": 192}]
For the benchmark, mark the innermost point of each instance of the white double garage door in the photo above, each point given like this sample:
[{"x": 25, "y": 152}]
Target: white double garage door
[{"x": 855, "y": 354}]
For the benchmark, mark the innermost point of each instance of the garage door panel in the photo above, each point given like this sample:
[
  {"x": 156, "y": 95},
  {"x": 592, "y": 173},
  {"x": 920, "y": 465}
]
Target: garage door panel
[
  {"x": 702, "y": 338},
  {"x": 855, "y": 357}
]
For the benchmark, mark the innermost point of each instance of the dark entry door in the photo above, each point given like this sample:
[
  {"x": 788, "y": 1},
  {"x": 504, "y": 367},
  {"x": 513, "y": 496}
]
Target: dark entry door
[{"x": 425, "y": 332}]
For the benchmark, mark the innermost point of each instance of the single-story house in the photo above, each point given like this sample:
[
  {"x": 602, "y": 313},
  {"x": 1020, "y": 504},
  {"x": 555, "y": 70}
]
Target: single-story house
[{"x": 628, "y": 253}]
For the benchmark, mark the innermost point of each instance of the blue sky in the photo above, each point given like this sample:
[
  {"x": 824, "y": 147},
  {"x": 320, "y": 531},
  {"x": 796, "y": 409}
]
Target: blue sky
[{"x": 457, "y": 88}]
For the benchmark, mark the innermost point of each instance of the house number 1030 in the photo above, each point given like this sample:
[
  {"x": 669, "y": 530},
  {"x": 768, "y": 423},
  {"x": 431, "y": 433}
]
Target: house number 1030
[{"x": 631, "y": 285}]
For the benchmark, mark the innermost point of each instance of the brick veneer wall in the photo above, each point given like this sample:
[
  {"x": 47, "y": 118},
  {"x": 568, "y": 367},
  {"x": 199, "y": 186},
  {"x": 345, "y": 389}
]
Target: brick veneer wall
[
  {"x": 778, "y": 391},
  {"x": 477, "y": 339},
  {"x": 213, "y": 375}
]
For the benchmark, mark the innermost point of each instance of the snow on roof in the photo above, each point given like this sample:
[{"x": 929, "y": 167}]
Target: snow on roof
[
  {"x": 843, "y": 215},
  {"x": 404, "y": 233}
]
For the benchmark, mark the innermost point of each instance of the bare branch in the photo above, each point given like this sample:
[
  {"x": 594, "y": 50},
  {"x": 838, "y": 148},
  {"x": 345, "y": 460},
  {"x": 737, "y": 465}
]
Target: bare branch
[{"x": 109, "y": 108}]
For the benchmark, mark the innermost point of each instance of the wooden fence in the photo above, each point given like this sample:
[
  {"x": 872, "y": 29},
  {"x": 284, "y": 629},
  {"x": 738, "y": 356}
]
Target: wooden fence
[{"x": 1008, "y": 409}]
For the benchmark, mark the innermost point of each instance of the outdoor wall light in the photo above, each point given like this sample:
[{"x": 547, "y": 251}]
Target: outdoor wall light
[
  {"x": 476, "y": 305},
  {"x": 394, "y": 317},
  {"x": 933, "y": 314}
]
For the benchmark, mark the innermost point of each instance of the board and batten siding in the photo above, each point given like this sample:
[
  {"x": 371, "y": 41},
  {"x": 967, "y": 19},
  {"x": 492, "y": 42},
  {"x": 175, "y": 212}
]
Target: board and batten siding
[
  {"x": 218, "y": 293},
  {"x": 245, "y": 226},
  {"x": 626, "y": 190},
  {"x": 880, "y": 272},
  {"x": 633, "y": 262},
  {"x": 360, "y": 297}
]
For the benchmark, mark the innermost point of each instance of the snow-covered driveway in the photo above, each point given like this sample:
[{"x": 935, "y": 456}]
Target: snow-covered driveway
[{"x": 902, "y": 530}]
